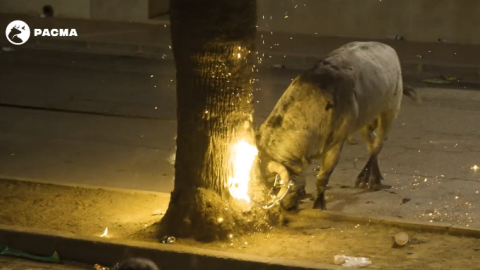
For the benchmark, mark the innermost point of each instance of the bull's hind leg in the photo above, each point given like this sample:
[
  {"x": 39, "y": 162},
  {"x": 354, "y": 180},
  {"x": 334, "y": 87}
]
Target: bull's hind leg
[
  {"x": 374, "y": 135},
  {"x": 384, "y": 125},
  {"x": 329, "y": 162},
  {"x": 369, "y": 136}
]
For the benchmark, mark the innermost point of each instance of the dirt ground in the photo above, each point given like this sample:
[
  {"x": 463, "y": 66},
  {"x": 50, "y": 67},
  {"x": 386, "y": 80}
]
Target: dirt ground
[{"x": 130, "y": 216}]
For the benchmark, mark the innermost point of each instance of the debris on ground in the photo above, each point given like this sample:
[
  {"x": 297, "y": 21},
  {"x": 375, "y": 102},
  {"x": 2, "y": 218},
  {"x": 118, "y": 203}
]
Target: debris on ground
[
  {"x": 349, "y": 261},
  {"x": 400, "y": 239},
  {"x": 405, "y": 200},
  {"x": 105, "y": 233},
  {"x": 8, "y": 251},
  {"x": 450, "y": 78},
  {"x": 167, "y": 240},
  {"x": 442, "y": 79},
  {"x": 441, "y": 40},
  {"x": 436, "y": 80}
]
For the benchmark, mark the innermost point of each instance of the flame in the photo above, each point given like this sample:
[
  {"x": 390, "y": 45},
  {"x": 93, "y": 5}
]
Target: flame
[
  {"x": 104, "y": 233},
  {"x": 243, "y": 156}
]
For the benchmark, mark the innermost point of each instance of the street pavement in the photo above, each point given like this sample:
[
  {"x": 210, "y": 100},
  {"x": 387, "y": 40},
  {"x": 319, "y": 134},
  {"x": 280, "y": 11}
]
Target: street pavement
[{"x": 110, "y": 121}]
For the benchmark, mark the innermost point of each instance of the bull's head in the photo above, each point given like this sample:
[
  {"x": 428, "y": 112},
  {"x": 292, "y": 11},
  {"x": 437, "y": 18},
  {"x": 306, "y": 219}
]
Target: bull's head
[{"x": 269, "y": 168}]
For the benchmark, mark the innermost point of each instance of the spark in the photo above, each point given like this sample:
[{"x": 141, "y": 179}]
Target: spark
[{"x": 474, "y": 168}]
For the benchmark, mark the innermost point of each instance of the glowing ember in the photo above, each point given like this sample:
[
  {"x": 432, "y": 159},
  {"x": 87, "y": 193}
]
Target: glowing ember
[
  {"x": 243, "y": 156},
  {"x": 104, "y": 233}
]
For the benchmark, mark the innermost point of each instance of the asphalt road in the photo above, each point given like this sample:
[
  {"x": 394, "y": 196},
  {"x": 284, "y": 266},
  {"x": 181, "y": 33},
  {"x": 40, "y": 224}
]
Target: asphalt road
[
  {"x": 110, "y": 121},
  {"x": 96, "y": 120}
]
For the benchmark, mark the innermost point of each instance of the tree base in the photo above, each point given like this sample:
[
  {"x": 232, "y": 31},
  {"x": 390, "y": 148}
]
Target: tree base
[{"x": 206, "y": 216}]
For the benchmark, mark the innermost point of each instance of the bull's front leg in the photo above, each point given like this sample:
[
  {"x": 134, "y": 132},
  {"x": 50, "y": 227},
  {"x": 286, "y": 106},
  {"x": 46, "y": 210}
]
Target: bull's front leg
[{"x": 329, "y": 162}]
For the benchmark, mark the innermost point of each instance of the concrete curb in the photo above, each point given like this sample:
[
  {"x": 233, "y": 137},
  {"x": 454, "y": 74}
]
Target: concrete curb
[
  {"x": 290, "y": 61},
  {"x": 85, "y": 186},
  {"x": 437, "y": 227},
  {"x": 91, "y": 250}
]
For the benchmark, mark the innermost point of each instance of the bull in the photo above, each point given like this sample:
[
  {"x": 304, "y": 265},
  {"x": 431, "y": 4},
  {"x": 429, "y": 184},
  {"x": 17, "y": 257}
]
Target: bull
[{"x": 356, "y": 88}]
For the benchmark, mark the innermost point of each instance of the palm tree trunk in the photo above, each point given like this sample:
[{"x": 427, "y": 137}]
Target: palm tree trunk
[{"x": 213, "y": 46}]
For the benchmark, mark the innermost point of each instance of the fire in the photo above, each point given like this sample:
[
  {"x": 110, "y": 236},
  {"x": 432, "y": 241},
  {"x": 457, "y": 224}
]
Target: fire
[
  {"x": 104, "y": 233},
  {"x": 243, "y": 156}
]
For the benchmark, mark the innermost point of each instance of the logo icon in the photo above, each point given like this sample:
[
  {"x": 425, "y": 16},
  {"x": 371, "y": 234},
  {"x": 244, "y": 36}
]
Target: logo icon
[{"x": 17, "y": 32}]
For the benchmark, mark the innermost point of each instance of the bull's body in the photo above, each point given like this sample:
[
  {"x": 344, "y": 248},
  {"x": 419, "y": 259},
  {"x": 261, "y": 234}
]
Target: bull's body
[{"x": 357, "y": 87}]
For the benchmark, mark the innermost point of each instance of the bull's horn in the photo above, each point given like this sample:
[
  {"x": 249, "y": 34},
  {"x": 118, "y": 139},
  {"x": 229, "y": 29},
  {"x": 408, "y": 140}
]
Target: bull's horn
[{"x": 276, "y": 167}]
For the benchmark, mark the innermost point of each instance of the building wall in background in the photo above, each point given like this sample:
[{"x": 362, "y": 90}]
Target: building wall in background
[
  {"x": 416, "y": 20},
  {"x": 454, "y": 21},
  {"x": 74, "y": 9}
]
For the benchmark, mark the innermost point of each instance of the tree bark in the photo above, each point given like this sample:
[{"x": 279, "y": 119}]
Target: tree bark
[{"x": 213, "y": 43}]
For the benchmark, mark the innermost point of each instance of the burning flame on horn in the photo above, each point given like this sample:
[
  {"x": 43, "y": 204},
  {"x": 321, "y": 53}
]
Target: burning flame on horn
[{"x": 243, "y": 156}]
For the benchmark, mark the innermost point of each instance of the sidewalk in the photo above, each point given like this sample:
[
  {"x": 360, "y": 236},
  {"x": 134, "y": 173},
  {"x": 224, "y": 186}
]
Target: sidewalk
[{"x": 294, "y": 51}]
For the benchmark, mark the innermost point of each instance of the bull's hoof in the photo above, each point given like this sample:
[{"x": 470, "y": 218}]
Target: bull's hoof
[
  {"x": 378, "y": 187},
  {"x": 291, "y": 202},
  {"x": 361, "y": 185},
  {"x": 320, "y": 203},
  {"x": 302, "y": 194},
  {"x": 362, "y": 181},
  {"x": 374, "y": 187},
  {"x": 290, "y": 207}
]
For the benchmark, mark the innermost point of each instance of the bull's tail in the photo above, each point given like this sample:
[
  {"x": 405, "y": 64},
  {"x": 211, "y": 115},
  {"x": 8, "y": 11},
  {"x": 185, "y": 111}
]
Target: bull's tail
[{"x": 411, "y": 93}]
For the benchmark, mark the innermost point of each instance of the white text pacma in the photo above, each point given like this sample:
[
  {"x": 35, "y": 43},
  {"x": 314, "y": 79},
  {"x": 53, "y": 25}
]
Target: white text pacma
[{"x": 56, "y": 32}]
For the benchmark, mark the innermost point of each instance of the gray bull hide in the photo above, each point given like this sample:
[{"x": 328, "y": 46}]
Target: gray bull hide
[{"x": 357, "y": 87}]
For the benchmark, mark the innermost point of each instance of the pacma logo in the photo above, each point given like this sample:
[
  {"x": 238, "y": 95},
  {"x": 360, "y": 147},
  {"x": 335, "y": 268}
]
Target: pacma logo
[
  {"x": 55, "y": 32},
  {"x": 18, "y": 32}
]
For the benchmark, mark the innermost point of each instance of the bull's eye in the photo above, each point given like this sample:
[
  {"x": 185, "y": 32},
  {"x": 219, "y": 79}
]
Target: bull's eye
[{"x": 329, "y": 106}]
